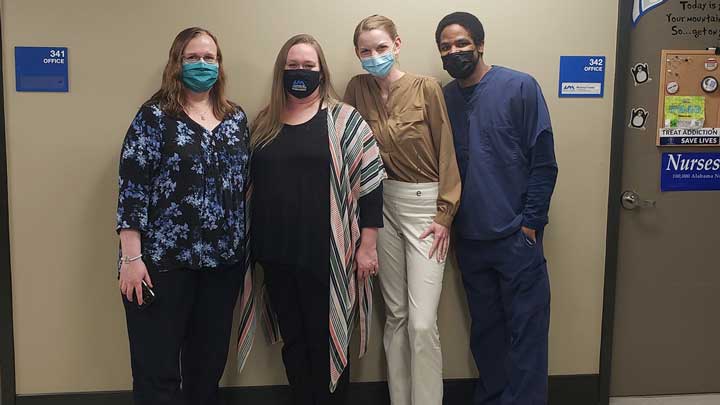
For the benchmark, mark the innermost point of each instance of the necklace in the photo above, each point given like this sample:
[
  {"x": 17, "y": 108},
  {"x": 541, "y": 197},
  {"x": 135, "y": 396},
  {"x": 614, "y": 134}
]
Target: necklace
[{"x": 203, "y": 114}]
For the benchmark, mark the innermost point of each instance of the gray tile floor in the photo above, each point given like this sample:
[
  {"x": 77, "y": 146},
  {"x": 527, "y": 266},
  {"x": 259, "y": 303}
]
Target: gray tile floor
[{"x": 669, "y": 400}]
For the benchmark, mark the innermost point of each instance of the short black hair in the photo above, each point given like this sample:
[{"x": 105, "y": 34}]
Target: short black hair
[{"x": 467, "y": 21}]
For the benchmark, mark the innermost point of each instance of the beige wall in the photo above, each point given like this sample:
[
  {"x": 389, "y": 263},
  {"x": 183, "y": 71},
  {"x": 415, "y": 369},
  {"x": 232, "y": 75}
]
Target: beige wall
[{"x": 63, "y": 154}]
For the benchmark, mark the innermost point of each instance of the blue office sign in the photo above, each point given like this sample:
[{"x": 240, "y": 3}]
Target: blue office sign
[
  {"x": 690, "y": 171},
  {"x": 41, "y": 69},
  {"x": 582, "y": 76}
]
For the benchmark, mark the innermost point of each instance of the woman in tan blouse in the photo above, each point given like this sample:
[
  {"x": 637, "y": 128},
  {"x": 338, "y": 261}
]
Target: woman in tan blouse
[{"x": 408, "y": 117}]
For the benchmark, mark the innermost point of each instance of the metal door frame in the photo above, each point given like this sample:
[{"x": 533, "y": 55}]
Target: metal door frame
[
  {"x": 622, "y": 65},
  {"x": 7, "y": 344}
]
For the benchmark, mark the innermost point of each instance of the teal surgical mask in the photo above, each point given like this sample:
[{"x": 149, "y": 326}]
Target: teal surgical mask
[
  {"x": 379, "y": 66},
  {"x": 199, "y": 76}
]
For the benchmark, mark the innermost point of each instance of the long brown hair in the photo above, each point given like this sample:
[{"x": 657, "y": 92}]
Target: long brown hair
[
  {"x": 171, "y": 96},
  {"x": 267, "y": 125}
]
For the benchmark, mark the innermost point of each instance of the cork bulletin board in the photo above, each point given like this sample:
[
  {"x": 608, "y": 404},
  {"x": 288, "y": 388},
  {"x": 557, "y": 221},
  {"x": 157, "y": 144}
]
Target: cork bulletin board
[{"x": 689, "y": 102}]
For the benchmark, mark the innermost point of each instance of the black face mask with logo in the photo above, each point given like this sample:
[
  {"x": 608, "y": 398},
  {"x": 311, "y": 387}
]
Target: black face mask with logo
[
  {"x": 301, "y": 82},
  {"x": 460, "y": 65}
]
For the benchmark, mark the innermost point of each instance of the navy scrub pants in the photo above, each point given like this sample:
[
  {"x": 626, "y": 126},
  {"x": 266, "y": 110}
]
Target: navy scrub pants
[{"x": 508, "y": 293}]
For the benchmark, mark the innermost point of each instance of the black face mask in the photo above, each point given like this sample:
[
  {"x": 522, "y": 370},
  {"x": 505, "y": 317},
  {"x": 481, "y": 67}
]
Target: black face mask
[
  {"x": 301, "y": 82},
  {"x": 460, "y": 65}
]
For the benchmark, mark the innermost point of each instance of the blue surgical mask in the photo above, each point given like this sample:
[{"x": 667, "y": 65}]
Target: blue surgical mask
[
  {"x": 380, "y": 65},
  {"x": 199, "y": 76}
]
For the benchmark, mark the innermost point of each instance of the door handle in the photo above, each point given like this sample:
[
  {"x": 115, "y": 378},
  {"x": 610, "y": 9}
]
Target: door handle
[{"x": 631, "y": 200}]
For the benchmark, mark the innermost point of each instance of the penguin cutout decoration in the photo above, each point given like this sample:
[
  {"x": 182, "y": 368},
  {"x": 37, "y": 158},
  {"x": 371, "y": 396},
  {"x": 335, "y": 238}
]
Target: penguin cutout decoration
[
  {"x": 641, "y": 73},
  {"x": 638, "y": 118}
]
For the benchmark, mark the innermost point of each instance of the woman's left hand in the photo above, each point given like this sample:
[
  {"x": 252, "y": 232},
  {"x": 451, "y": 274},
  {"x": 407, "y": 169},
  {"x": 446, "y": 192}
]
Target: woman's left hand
[
  {"x": 441, "y": 241},
  {"x": 367, "y": 261}
]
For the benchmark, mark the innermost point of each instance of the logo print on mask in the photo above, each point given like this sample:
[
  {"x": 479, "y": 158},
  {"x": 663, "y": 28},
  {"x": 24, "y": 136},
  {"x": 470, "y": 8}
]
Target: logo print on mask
[
  {"x": 299, "y": 85},
  {"x": 638, "y": 118}
]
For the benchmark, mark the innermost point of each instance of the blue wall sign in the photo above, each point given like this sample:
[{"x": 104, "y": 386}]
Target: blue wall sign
[
  {"x": 690, "y": 171},
  {"x": 582, "y": 76},
  {"x": 41, "y": 69}
]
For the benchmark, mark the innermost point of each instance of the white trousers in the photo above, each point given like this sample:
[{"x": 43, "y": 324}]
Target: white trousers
[{"x": 411, "y": 285}]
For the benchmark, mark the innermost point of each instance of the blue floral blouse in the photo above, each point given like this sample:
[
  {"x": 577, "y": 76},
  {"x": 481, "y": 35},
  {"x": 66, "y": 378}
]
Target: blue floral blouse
[{"x": 182, "y": 187}]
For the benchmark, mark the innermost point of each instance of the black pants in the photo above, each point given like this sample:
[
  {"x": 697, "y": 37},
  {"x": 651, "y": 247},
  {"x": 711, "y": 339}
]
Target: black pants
[
  {"x": 301, "y": 299},
  {"x": 183, "y": 337}
]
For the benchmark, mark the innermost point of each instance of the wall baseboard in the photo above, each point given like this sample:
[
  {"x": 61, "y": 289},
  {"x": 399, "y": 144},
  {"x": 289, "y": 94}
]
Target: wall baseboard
[{"x": 564, "y": 390}]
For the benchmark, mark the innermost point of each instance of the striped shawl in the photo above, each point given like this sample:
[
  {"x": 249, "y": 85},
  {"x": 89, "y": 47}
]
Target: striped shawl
[{"x": 356, "y": 171}]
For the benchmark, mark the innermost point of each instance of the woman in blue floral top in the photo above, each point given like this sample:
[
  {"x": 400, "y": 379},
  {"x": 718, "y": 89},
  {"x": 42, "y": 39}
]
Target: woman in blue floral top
[{"x": 181, "y": 220}]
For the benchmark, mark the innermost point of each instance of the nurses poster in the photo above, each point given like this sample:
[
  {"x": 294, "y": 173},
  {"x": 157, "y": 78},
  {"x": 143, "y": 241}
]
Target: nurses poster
[{"x": 690, "y": 171}]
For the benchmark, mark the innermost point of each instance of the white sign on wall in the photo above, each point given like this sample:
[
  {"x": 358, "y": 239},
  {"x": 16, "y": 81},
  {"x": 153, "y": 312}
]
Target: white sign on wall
[{"x": 641, "y": 7}]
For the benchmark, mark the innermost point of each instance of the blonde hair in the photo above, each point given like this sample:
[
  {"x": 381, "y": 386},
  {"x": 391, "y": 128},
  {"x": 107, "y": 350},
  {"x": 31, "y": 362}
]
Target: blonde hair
[
  {"x": 375, "y": 22},
  {"x": 267, "y": 125}
]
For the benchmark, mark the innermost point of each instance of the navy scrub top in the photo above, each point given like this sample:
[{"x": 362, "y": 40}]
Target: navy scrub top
[{"x": 508, "y": 169}]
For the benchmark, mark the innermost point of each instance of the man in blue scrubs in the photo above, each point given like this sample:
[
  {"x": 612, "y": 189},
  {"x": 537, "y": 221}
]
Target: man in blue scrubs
[{"x": 504, "y": 147}]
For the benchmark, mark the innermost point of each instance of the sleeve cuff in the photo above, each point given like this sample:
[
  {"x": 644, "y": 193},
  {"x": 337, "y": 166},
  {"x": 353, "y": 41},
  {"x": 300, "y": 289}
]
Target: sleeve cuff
[
  {"x": 444, "y": 219},
  {"x": 534, "y": 224},
  {"x": 125, "y": 225},
  {"x": 377, "y": 223}
]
